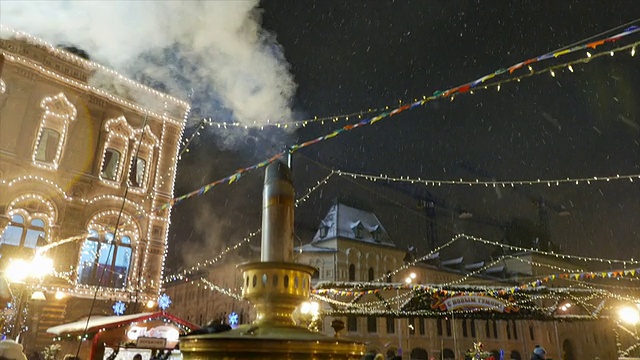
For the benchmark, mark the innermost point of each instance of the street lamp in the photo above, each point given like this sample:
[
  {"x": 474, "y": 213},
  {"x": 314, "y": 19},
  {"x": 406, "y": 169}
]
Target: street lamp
[
  {"x": 23, "y": 272},
  {"x": 629, "y": 315},
  {"x": 408, "y": 280}
]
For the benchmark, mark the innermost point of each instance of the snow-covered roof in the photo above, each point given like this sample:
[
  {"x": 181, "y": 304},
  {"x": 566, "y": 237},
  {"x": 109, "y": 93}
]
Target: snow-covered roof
[
  {"x": 474, "y": 266},
  {"x": 456, "y": 261},
  {"x": 346, "y": 222},
  {"x": 98, "y": 322},
  {"x": 495, "y": 269}
]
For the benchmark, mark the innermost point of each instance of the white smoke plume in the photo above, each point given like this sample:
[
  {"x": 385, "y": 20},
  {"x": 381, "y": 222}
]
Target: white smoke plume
[{"x": 215, "y": 53}]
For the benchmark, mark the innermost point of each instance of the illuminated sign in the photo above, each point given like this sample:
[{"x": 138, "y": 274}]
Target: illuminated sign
[
  {"x": 458, "y": 302},
  {"x": 151, "y": 343},
  {"x": 167, "y": 334}
]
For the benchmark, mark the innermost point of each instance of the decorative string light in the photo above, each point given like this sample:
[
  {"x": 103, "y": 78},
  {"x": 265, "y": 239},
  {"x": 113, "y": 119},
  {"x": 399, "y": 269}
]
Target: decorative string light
[
  {"x": 57, "y": 113},
  {"x": 182, "y": 275},
  {"x": 227, "y": 292},
  {"x": 487, "y": 183},
  {"x": 89, "y": 65},
  {"x": 479, "y": 83}
]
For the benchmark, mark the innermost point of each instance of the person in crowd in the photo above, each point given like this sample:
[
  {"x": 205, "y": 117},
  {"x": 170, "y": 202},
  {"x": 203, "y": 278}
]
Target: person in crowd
[
  {"x": 379, "y": 357},
  {"x": 539, "y": 353},
  {"x": 137, "y": 357},
  {"x": 11, "y": 350}
]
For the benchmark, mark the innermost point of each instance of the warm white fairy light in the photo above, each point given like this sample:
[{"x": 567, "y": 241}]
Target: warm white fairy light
[
  {"x": 91, "y": 67},
  {"x": 18, "y": 203},
  {"x": 487, "y": 183},
  {"x": 118, "y": 134},
  {"x": 171, "y": 114},
  {"x": 144, "y": 142},
  {"x": 57, "y": 113}
]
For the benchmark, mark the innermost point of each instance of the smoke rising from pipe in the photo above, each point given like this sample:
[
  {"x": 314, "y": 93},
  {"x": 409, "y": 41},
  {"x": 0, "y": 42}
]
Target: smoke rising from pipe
[{"x": 213, "y": 53}]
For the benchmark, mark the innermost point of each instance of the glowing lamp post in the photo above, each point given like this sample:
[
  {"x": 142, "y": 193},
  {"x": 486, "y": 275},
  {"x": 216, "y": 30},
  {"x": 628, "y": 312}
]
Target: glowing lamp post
[
  {"x": 24, "y": 272},
  {"x": 629, "y": 315},
  {"x": 408, "y": 280}
]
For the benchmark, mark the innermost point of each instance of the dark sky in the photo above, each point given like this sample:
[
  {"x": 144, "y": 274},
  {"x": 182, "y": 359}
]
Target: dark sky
[{"x": 354, "y": 55}]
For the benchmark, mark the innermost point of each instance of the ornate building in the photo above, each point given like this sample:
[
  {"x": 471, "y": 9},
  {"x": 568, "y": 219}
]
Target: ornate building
[
  {"x": 86, "y": 159},
  {"x": 352, "y": 246}
]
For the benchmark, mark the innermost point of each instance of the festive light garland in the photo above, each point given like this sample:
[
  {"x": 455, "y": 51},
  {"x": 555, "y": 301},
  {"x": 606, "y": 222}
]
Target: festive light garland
[
  {"x": 245, "y": 240},
  {"x": 450, "y": 93},
  {"x": 54, "y": 118},
  {"x": 58, "y": 111},
  {"x": 487, "y": 183}
]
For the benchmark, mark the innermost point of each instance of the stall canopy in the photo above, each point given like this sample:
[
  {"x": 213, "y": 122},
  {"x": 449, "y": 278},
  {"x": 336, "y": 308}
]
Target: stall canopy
[{"x": 138, "y": 330}]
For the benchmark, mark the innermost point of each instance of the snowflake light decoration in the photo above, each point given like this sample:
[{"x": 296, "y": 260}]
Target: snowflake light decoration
[
  {"x": 164, "y": 301},
  {"x": 119, "y": 308},
  {"x": 233, "y": 319}
]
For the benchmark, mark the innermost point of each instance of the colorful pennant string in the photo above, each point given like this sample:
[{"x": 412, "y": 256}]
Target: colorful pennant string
[{"x": 450, "y": 93}]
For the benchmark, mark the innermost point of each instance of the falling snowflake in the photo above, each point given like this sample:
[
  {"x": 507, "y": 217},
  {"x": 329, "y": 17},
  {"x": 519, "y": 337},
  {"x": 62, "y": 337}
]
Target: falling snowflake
[
  {"x": 233, "y": 319},
  {"x": 119, "y": 308},
  {"x": 164, "y": 301}
]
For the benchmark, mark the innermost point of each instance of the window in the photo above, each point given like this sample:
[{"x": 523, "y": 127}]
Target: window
[
  {"x": 391, "y": 325},
  {"x": 412, "y": 326},
  {"x": 110, "y": 164},
  {"x": 377, "y": 235},
  {"x": 323, "y": 231},
  {"x": 439, "y": 327},
  {"x": 372, "y": 324},
  {"x": 352, "y": 272},
  {"x": 448, "y": 325},
  {"x": 473, "y": 328},
  {"x": 352, "y": 324},
  {"x": 421, "y": 325},
  {"x": 388, "y": 276},
  {"x": 370, "y": 274},
  {"x": 464, "y": 328},
  {"x": 30, "y": 235},
  {"x": 487, "y": 330},
  {"x": 508, "y": 331},
  {"x": 105, "y": 260},
  {"x": 531, "y": 333},
  {"x": 47, "y": 147},
  {"x": 357, "y": 231},
  {"x": 495, "y": 329},
  {"x": 137, "y": 172},
  {"x": 50, "y": 138},
  {"x": 515, "y": 329}
]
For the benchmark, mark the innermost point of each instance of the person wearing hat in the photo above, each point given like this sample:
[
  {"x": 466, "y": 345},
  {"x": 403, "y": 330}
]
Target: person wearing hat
[
  {"x": 11, "y": 350},
  {"x": 539, "y": 353}
]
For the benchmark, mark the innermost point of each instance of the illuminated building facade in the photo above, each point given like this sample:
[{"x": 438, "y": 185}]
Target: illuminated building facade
[
  {"x": 352, "y": 246},
  {"x": 87, "y": 157}
]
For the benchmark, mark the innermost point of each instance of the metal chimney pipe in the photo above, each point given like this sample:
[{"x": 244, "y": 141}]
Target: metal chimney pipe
[{"x": 278, "y": 199}]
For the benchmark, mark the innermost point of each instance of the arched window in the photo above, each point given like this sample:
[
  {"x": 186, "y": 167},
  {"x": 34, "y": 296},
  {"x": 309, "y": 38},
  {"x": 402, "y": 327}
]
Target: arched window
[
  {"x": 352, "y": 272},
  {"x": 105, "y": 260},
  {"x": 110, "y": 164},
  {"x": 23, "y": 233},
  {"x": 115, "y": 150},
  {"x": 370, "y": 277},
  {"x": 143, "y": 156},
  {"x": 57, "y": 113}
]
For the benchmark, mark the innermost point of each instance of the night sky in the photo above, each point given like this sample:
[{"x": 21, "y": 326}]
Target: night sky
[{"x": 348, "y": 56}]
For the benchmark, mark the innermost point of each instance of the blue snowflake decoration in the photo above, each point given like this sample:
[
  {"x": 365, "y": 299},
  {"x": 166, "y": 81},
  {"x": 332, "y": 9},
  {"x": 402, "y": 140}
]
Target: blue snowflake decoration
[
  {"x": 164, "y": 301},
  {"x": 233, "y": 319},
  {"x": 119, "y": 308}
]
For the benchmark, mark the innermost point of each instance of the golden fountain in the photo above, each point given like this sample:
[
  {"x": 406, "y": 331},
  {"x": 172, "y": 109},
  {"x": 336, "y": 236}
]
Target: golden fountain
[{"x": 276, "y": 286}]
